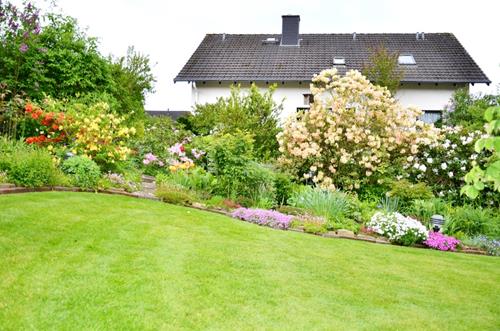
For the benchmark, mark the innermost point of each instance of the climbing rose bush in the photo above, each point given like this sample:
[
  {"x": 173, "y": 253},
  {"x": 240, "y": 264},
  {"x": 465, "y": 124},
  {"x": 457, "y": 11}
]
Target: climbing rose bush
[
  {"x": 269, "y": 218},
  {"x": 439, "y": 241},
  {"x": 353, "y": 133},
  {"x": 398, "y": 228}
]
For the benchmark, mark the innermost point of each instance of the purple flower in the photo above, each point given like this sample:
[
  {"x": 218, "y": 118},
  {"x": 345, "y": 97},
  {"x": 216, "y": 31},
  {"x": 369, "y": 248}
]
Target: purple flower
[
  {"x": 37, "y": 29},
  {"x": 23, "y": 48},
  {"x": 269, "y": 218},
  {"x": 439, "y": 241}
]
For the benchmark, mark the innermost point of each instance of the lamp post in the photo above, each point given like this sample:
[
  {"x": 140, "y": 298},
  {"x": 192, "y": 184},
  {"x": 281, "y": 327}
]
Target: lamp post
[{"x": 437, "y": 222}]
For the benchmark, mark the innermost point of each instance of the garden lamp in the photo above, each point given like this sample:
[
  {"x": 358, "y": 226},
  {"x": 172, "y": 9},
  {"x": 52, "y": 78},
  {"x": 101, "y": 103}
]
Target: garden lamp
[{"x": 437, "y": 222}]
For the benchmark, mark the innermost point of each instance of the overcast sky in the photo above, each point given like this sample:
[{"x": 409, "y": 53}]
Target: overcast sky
[{"x": 170, "y": 31}]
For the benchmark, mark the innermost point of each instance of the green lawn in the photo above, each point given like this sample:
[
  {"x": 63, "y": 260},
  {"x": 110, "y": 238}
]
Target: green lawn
[{"x": 72, "y": 261}]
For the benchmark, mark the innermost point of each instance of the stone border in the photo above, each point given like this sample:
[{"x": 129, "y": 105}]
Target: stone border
[
  {"x": 12, "y": 189},
  {"x": 343, "y": 234}
]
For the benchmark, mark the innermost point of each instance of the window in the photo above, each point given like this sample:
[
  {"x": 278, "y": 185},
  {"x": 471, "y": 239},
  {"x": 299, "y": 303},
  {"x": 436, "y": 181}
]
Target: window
[
  {"x": 431, "y": 116},
  {"x": 406, "y": 59},
  {"x": 339, "y": 60},
  {"x": 308, "y": 99}
]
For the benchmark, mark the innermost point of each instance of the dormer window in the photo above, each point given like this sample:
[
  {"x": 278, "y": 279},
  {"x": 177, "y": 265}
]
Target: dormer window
[
  {"x": 406, "y": 59},
  {"x": 339, "y": 61}
]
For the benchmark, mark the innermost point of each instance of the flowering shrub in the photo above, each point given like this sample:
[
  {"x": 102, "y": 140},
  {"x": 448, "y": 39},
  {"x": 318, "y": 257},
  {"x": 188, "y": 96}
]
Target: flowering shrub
[
  {"x": 444, "y": 163},
  {"x": 352, "y": 134},
  {"x": 439, "y": 241},
  {"x": 398, "y": 228},
  {"x": 269, "y": 218},
  {"x": 50, "y": 126},
  {"x": 100, "y": 135}
]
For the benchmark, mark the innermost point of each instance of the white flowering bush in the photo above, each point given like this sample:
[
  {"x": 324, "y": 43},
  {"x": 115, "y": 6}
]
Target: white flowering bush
[
  {"x": 443, "y": 164},
  {"x": 354, "y": 133},
  {"x": 398, "y": 228}
]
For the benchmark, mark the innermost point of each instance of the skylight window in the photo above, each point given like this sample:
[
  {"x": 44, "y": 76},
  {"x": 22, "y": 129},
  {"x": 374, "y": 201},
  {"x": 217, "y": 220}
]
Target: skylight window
[
  {"x": 339, "y": 60},
  {"x": 406, "y": 59}
]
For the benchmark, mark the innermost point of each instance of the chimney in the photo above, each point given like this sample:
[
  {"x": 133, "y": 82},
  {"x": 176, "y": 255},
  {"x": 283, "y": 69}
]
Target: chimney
[{"x": 290, "y": 30}]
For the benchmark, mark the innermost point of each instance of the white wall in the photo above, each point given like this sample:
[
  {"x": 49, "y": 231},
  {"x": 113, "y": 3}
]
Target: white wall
[
  {"x": 425, "y": 96},
  {"x": 292, "y": 94}
]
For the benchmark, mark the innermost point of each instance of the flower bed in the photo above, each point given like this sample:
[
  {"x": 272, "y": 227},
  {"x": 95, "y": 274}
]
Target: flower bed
[
  {"x": 441, "y": 242},
  {"x": 269, "y": 218},
  {"x": 398, "y": 228}
]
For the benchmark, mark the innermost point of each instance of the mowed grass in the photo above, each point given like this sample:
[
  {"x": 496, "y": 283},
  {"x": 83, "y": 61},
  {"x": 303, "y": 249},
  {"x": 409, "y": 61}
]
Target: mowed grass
[{"x": 73, "y": 261}]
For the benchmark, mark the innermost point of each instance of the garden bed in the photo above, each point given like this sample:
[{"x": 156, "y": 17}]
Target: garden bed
[{"x": 341, "y": 234}]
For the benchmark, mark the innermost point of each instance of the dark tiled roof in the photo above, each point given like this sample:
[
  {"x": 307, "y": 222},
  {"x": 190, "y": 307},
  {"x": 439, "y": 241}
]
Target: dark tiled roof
[
  {"x": 173, "y": 114},
  {"x": 244, "y": 57}
]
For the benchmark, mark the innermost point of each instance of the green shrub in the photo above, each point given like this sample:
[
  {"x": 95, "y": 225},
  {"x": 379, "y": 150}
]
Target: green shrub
[
  {"x": 406, "y": 192},
  {"x": 82, "y": 171},
  {"x": 196, "y": 179},
  {"x": 283, "y": 187},
  {"x": 3, "y": 177},
  {"x": 366, "y": 210},
  {"x": 32, "y": 168},
  {"x": 333, "y": 205},
  {"x": 228, "y": 159},
  {"x": 215, "y": 201},
  {"x": 473, "y": 221},
  {"x": 174, "y": 194},
  {"x": 253, "y": 112},
  {"x": 424, "y": 209},
  {"x": 468, "y": 110},
  {"x": 313, "y": 225},
  {"x": 346, "y": 224}
]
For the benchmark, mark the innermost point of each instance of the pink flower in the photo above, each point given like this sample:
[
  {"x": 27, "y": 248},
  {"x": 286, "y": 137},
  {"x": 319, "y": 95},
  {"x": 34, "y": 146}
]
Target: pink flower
[
  {"x": 439, "y": 241},
  {"x": 177, "y": 149}
]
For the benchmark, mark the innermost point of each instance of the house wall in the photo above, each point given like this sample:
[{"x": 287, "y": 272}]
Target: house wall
[
  {"x": 425, "y": 96},
  {"x": 292, "y": 94}
]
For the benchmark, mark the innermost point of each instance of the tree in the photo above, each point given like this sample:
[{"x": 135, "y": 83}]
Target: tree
[
  {"x": 254, "y": 112},
  {"x": 133, "y": 80},
  {"x": 58, "y": 59},
  {"x": 383, "y": 69}
]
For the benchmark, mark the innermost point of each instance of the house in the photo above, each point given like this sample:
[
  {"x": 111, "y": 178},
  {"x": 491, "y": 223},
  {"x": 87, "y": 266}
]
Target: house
[{"x": 434, "y": 64}]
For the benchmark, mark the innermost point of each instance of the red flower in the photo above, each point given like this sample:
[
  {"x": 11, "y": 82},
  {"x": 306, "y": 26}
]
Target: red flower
[{"x": 28, "y": 108}]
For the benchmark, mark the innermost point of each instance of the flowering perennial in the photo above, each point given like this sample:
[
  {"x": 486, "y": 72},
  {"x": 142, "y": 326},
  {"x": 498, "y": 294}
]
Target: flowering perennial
[
  {"x": 269, "y": 218},
  {"x": 398, "y": 228},
  {"x": 439, "y": 241}
]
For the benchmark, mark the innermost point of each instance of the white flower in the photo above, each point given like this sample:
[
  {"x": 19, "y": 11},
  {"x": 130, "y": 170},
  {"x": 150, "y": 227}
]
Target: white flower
[
  {"x": 430, "y": 160},
  {"x": 444, "y": 166},
  {"x": 423, "y": 167},
  {"x": 462, "y": 168},
  {"x": 450, "y": 174}
]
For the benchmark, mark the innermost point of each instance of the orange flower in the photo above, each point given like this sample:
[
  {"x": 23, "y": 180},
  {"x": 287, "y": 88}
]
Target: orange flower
[{"x": 28, "y": 108}]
